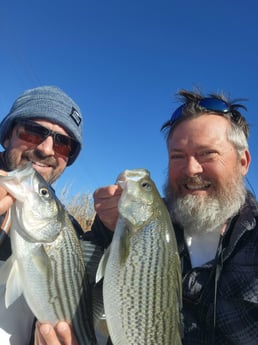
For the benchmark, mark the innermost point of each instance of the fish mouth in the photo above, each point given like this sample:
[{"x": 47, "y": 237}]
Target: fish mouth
[
  {"x": 136, "y": 175},
  {"x": 12, "y": 184},
  {"x": 121, "y": 183}
]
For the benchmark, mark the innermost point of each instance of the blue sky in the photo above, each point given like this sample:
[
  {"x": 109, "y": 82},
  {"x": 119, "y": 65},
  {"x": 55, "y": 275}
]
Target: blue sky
[{"x": 122, "y": 62}]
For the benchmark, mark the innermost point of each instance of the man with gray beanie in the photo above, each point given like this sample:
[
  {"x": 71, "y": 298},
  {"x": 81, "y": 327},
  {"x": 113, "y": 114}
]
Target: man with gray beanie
[{"x": 44, "y": 127}]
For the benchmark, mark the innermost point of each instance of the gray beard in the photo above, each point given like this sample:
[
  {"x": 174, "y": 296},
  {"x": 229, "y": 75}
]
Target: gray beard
[{"x": 198, "y": 214}]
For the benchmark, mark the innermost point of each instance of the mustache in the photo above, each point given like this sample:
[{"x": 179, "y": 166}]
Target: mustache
[{"x": 36, "y": 155}]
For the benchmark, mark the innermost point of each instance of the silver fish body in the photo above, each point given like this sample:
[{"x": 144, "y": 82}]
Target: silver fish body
[
  {"x": 142, "y": 276},
  {"x": 46, "y": 265}
]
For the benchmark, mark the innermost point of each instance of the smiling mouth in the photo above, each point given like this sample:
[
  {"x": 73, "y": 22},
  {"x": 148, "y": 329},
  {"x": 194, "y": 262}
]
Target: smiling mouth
[
  {"x": 196, "y": 187},
  {"x": 41, "y": 165}
]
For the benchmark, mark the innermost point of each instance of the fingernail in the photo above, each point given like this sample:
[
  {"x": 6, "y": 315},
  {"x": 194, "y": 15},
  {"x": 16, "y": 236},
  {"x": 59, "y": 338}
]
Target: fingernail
[
  {"x": 45, "y": 329},
  {"x": 62, "y": 326}
]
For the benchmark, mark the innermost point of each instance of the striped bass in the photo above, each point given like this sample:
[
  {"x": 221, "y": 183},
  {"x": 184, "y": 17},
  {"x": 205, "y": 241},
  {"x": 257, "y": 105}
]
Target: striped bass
[
  {"x": 46, "y": 264},
  {"x": 141, "y": 269}
]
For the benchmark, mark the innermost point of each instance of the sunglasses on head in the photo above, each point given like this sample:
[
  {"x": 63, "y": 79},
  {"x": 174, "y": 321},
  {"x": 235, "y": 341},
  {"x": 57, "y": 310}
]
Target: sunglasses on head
[
  {"x": 209, "y": 103},
  {"x": 33, "y": 133}
]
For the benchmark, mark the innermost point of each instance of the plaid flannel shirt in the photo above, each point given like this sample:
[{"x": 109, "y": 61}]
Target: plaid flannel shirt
[{"x": 220, "y": 299}]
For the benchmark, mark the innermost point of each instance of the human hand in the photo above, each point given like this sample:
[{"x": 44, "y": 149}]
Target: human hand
[
  {"x": 6, "y": 200},
  {"x": 61, "y": 334},
  {"x": 105, "y": 203}
]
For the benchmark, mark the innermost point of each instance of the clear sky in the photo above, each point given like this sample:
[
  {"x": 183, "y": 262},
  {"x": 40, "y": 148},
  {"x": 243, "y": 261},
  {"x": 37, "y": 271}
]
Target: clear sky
[{"x": 123, "y": 61}]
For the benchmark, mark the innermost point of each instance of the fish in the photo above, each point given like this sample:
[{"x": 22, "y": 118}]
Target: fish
[
  {"x": 141, "y": 271},
  {"x": 47, "y": 264}
]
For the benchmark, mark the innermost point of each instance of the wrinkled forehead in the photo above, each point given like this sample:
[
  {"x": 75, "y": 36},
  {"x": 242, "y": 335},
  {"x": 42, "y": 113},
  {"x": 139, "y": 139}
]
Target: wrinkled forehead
[{"x": 201, "y": 127}]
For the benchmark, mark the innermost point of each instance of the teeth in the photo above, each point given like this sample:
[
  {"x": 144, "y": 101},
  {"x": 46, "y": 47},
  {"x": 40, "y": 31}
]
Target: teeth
[
  {"x": 39, "y": 164},
  {"x": 194, "y": 187}
]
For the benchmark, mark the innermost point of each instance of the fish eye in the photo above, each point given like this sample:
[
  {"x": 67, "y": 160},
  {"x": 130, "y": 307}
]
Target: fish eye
[
  {"x": 146, "y": 185},
  {"x": 44, "y": 192}
]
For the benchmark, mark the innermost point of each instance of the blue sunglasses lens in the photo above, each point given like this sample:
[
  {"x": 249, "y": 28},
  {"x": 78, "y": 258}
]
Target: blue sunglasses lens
[
  {"x": 177, "y": 113},
  {"x": 209, "y": 103},
  {"x": 214, "y": 104}
]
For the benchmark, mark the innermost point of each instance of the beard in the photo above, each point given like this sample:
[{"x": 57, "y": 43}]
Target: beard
[
  {"x": 14, "y": 160},
  {"x": 206, "y": 213}
]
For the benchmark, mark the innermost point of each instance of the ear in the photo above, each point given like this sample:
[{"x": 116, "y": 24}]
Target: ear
[
  {"x": 8, "y": 138},
  {"x": 6, "y": 143},
  {"x": 245, "y": 161}
]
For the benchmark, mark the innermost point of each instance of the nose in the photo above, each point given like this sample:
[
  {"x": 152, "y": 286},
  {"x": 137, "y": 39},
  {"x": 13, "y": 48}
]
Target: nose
[
  {"x": 47, "y": 146},
  {"x": 192, "y": 166}
]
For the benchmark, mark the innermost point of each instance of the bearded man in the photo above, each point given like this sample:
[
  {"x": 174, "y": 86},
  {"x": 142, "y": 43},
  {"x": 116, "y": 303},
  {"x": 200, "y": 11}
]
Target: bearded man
[{"x": 214, "y": 216}]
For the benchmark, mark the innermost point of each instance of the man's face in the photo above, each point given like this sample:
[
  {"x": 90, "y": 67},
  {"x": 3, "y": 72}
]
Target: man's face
[
  {"x": 204, "y": 167},
  {"x": 43, "y": 156},
  {"x": 201, "y": 159}
]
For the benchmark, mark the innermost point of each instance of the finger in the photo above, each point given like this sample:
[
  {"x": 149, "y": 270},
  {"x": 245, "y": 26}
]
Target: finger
[
  {"x": 37, "y": 340},
  {"x": 47, "y": 335},
  {"x": 107, "y": 192},
  {"x": 103, "y": 206},
  {"x": 5, "y": 202},
  {"x": 3, "y": 173},
  {"x": 106, "y": 204},
  {"x": 106, "y": 198},
  {"x": 3, "y": 192},
  {"x": 65, "y": 333},
  {"x": 109, "y": 220}
]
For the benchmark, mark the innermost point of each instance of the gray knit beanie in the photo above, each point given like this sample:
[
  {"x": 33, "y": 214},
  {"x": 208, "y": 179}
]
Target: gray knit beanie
[{"x": 50, "y": 103}]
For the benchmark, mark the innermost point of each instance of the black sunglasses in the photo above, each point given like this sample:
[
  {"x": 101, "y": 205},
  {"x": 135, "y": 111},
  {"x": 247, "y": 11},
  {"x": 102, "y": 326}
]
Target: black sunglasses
[
  {"x": 34, "y": 133},
  {"x": 208, "y": 103}
]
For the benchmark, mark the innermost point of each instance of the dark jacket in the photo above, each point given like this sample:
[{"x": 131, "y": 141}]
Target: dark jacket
[{"x": 220, "y": 298}]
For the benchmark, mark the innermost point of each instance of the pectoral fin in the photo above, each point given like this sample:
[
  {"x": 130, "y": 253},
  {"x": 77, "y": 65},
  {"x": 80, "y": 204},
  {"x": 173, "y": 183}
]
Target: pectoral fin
[
  {"x": 40, "y": 260},
  {"x": 5, "y": 270},
  {"x": 13, "y": 283},
  {"x": 102, "y": 265}
]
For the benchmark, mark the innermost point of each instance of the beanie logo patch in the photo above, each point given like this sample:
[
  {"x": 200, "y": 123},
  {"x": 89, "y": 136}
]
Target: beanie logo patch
[{"x": 76, "y": 116}]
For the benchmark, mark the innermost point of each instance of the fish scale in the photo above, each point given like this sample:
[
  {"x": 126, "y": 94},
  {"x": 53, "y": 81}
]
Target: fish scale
[
  {"x": 142, "y": 277},
  {"x": 60, "y": 262},
  {"x": 147, "y": 292}
]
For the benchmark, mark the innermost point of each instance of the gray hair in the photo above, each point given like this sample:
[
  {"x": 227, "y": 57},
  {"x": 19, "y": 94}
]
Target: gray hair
[{"x": 190, "y": 108}]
